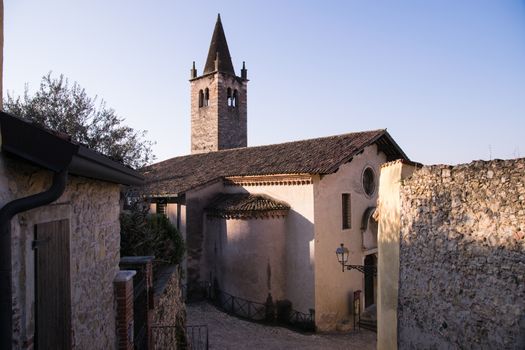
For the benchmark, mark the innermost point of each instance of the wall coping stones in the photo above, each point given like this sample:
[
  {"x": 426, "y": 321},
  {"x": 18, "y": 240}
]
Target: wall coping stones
[
  {"x": 125, "y": 275},
  {"x": 136, "y": 259}
]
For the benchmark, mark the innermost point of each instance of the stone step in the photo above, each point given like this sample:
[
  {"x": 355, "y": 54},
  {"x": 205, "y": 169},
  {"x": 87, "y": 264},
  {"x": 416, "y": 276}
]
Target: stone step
[{"x": 367, "y": 324}]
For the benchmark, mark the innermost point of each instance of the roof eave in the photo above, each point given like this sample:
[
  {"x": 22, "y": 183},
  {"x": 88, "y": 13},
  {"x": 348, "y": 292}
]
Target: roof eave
[
  {"x": 47, "y": 150},
  {"x": 89, "y": 163},
  {"x": 372, "y": 141}
]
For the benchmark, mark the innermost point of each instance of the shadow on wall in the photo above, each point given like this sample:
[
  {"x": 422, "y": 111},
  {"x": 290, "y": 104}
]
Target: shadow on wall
[
  {"x": 300, "y": 262},
  {"x": 251, "y": 258},
  {"x": 462, "y": 261}
]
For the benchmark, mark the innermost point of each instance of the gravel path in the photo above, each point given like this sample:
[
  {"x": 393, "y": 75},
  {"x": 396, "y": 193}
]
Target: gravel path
[{"x": 227, "y": 332}]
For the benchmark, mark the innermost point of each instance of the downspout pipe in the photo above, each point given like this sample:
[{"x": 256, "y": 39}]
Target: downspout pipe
[{"x": 7, "y": 212}]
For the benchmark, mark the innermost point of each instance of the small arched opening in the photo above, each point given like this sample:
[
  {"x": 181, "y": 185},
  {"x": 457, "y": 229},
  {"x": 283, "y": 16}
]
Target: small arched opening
[
  {"x": 206, "y": 97},
  {"x": 229, "y": 97},
  {"x": 201, "y": 98},
  {"x": 234, "y": 99}
]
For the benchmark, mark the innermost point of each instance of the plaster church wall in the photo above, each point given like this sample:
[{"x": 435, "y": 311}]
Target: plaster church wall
[
  {"x": 334, "y": 289},
  {"x": 299, "y": 239},
  {"x": 247, "y": 256}
]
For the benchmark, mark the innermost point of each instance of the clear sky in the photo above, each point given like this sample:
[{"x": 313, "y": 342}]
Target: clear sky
[{"x": 446, "y": 78}]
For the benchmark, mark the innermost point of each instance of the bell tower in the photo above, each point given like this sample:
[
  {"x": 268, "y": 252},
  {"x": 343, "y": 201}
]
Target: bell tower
[{"x": 218, "y": 100}]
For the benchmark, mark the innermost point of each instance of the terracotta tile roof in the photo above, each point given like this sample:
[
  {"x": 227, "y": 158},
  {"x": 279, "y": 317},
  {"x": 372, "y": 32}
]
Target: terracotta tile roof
[
  {"x": 314, "y": 156},
  {"x": 245, "y": 205}
]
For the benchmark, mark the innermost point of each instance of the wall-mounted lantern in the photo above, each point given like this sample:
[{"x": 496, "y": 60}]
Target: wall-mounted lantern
[{"x": 342, "y": 256}]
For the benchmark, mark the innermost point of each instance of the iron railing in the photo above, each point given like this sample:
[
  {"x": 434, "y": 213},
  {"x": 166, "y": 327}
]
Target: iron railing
[
  {"x": 240, "y": 307},
  {"x": 267, "y": 313}
]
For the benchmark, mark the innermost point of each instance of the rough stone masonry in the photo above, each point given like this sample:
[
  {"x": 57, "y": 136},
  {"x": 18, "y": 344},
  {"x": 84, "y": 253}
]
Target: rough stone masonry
[{"x": 462, "y": 261}]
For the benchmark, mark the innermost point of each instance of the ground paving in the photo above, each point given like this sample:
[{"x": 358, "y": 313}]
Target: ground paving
[{"x": 231, "y": 333}]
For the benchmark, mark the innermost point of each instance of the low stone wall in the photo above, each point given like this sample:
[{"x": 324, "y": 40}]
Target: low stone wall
[
  {"x": 462, "y": 257},
  {"x": 169, "y": 317}
]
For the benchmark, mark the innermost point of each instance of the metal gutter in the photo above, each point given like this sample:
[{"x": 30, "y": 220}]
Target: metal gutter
[{"x": 92, "y": 164}]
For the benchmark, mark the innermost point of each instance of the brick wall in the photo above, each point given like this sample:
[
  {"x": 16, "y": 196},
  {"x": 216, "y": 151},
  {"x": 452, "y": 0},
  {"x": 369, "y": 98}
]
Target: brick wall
[{"x": 124, "y": 297}]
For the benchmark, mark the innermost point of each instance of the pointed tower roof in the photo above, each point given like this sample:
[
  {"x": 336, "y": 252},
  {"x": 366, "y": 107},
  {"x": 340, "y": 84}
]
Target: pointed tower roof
[{"x": 219, "y": 49}]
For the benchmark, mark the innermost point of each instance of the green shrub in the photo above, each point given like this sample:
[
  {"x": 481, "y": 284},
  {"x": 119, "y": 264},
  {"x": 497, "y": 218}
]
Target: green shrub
[{"x": 150, "y": 234}]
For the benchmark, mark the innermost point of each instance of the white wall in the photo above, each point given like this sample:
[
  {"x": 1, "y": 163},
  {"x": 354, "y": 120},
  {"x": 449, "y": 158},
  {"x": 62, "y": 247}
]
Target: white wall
[
  {"x": 299, "y": 239},
  {"x": 333, "y": 288},
  {"x": 248, "y": 256}
]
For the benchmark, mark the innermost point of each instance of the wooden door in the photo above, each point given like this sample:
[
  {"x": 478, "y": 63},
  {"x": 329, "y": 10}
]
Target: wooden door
[
  {"x": 370, "y": 280},
  {"x": 52, "y": 286}
]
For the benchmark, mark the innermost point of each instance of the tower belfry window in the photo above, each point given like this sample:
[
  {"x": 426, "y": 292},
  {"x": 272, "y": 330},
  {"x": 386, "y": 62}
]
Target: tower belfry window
[
  {"x": 201, "y": 98},
  {"x": 229, "y": 97},
  {"x": 234, "y": 99},
  {"x": 206, "y": 97}
]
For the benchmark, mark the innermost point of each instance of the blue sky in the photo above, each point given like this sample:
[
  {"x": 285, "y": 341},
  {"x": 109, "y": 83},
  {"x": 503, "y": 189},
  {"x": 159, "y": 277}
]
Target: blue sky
[{"x": 446, "y": 78}]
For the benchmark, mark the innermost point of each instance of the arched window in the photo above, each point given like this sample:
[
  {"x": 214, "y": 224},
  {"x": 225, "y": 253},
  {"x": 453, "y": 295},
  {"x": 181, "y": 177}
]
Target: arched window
[
  {"x": 201, "y": 98},
  {"x": 234, "y": 99},
  {"x": 229, "y": 97},
  {"x": 206, "y": 97}
]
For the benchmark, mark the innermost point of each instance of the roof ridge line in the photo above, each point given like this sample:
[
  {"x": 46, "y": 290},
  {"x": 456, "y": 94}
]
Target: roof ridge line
[{"x": 271, "y": 144}]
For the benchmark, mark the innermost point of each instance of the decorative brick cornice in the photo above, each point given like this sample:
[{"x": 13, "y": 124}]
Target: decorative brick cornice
[
  {"x": 269, "y": 180},
  {"x": 247, "y": 215}
]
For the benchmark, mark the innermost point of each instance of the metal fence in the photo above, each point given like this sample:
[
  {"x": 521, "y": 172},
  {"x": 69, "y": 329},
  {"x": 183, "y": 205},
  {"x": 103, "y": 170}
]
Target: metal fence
[
  {"x": 240, "y": 307},
  {"x": 268, "y": 313},
  {"x": 302, "y": 321}
]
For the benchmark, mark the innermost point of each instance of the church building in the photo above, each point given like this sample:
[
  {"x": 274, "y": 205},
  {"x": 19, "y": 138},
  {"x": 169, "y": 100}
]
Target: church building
[{"x": 268, "y": 219}]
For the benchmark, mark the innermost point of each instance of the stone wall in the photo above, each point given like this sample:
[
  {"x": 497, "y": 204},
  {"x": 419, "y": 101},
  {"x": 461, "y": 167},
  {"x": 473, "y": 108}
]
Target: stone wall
[
  {"x": 204, "y": 120},
  {"x": 233, "y": 125},
  {"x": 92, "y": 208},
  {"x": 218, "y": 126},
  {"x": 170, "y": 311},
  {"x": 462, "y": 257}
]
